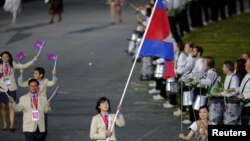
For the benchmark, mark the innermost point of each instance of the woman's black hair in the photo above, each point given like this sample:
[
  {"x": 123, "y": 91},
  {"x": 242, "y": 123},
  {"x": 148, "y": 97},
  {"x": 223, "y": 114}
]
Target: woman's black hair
[
  {"x": 101, "y": 100},
  {"x": 204, "y": 107},
  {"x": 10, "y": 56},
  {"x": 33, "y": 80}
]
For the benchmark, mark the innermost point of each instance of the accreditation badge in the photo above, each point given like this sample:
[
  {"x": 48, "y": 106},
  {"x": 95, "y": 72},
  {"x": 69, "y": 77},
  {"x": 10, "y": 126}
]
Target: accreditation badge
[
  {"x": 7, "y": 81},
  {"x": 35, "y": 115}
]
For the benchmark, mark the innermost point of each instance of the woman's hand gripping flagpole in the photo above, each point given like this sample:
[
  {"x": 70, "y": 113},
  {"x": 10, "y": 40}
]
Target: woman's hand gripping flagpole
[
  {"x": 132, "y": 69},
  {"x": 53, "y": 93},
  {"x": 54, "y": 68}
]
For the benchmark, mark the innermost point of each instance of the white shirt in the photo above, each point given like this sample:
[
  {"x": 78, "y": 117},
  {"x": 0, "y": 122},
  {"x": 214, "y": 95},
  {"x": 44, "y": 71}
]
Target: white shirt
[
  {"x": 187, "y": 65},
  {"x": 145, "y": 22},
  {"x": 234, "y": 84},
  {"x": 246, "y": 91},
  {"x": 177, "y": 4},
  {"x": 198, "y": 69},
  {"x": 179, "y": 60},
  {"x": 194, "y": 126},
  {"x": 211, "y": 75}
]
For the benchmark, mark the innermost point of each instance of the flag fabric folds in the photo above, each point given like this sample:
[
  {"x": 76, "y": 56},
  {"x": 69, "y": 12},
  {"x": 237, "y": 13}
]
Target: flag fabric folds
[
  {"x": 20, "y": 57},
  {"x": 158, "y": 40},
  {"x": 52, "y": 57},
  {"x": 38, "y": 44}
]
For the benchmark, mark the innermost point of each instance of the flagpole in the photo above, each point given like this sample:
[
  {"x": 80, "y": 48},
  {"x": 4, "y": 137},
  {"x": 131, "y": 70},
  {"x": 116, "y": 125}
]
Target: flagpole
[
  {"x": 40, "y": 50},
  {"x": 7, "y": 94},
  {"x": 55, "y": 63},
  {"x": 132, "y": 69},
  {"x": 53, "y": 93}
]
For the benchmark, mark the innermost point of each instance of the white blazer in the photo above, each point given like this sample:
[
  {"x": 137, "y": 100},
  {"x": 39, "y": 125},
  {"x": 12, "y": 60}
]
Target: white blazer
[{"x": 98, "y": 128}]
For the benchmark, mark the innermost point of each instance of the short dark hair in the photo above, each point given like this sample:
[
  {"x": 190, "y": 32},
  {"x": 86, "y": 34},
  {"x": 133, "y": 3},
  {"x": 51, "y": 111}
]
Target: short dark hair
[
  {"x": 101, "y": 100},
  {"x": 210, "y": 61},
  {"x": 148, "y": 11},
  {"x": 240, "y": 67},
  {"x": 229, "y": 65},
  {"x": 204, "y": 107},
  {"x": 33, "y": 80},
  {"x": 40, "y": 71},
  {"x": 199, "y": 49},
  {"x": 180, "y": 46}
]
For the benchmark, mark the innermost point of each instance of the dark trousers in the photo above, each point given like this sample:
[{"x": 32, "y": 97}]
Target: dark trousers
[
  {"x": 183, "y": 21},
  {"x": 241, "y": 3},
  {"x": 34, "y": 136},
  {"x": 205, "y": 8},
  {"x": 196, "y": 13},
  {"x": 248, "y": 4},
  {"x": 222, "y": 10},
  {"x": 173, "y": 98},
  {"x": 173, "y": 22},
  {"x": 245, "y": 116},
  {"x": 161, "y": 85},
  {"x": 231, "y": 7},
  {"x": 174, "y": 94}
]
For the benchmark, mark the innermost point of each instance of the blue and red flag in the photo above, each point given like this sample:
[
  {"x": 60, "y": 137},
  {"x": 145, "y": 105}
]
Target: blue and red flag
[
  {"x": 52, "y": 57},
  {"x": 158, "y": 40},
  {"x": 20, "y": 57},
  {"x": 38, "y": 44}
]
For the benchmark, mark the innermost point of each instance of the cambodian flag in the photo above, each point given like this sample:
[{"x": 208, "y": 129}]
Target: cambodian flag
[
  {"x": 52, "y": 57},
  {"x": 158, "y": 41},
  {"x": 20, "y": 56},
  {"x": 38, "y": 44}
]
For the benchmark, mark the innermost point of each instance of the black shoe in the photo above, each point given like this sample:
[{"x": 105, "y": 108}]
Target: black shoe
[
  {"x": 4, "y": 129},
  {"x": 12, "y": 130}
]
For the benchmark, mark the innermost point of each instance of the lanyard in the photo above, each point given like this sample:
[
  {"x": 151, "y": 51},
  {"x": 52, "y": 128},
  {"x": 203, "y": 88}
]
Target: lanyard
[
  {"x": 106, "y": 121},
  {"x": 6, "y": 69},
  {"x": 32, "y": 104}
]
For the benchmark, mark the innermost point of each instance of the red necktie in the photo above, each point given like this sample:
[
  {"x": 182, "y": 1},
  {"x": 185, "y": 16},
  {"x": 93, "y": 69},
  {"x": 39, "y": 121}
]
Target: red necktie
[
  {"x": 106, "y": 121},
  {"x": 34, "y": 101}
]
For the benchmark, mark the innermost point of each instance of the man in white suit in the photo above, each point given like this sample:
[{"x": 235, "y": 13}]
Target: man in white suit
[{"x": 33, "y": 107}]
